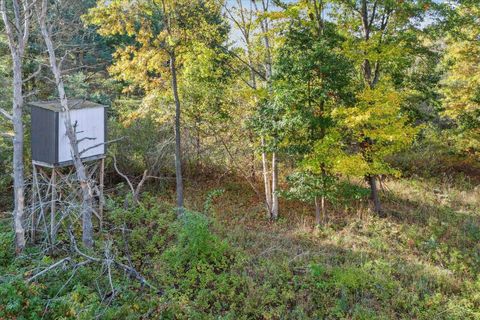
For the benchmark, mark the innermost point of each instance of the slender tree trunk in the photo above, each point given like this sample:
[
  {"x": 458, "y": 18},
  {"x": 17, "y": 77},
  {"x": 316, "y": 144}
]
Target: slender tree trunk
[
  {"x": 372, "y": 180},
  {"x": 253, "y": 173},
  {"x": 197, "y": 148},
  {"x": 268, "y": 75},
  {"x": 18, "y": 166},
  {"x": 318, "y": 217},
  {"x": 271, "y": 200},
  {"x": 17, "y": 30},
  {"x": 323, "y": 209},
  {"x": 178, "y": 145},
  {"x": 266, "y": 180},
  {"x": 273, "y": 195},
  {"x": 87, "y": 193},
  {"x": 274, "y": 186},
  {"x": 320, "y": 211}
]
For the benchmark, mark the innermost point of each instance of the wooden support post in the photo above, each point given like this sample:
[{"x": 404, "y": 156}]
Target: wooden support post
[
  {"x": 40, "y": 201},
  {"x": 101, "y": 187},
  {"x": 34, "y": 195},
  {"x": 53, "y": 207},
  {"x": 56, "y": 193}
]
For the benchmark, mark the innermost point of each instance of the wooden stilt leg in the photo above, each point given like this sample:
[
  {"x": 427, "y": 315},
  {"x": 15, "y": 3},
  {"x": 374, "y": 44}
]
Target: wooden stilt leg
[
  {"x": 33, "y": 217},
  {"x": 53, "y": 207},
  {"x": 41, "y": 216},
  {"x": 101, "y": 196}
]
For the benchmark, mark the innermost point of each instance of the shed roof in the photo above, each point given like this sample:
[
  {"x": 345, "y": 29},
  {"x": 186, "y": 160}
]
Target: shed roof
[{"x": 73, "y": 104}]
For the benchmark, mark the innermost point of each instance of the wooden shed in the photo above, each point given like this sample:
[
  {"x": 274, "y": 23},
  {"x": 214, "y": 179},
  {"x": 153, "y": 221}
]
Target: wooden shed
[{"x": 49, "y": 142}]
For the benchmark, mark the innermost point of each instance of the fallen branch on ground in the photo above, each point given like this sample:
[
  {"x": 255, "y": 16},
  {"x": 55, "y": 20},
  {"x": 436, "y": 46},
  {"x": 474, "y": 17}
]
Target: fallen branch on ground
[
  {"x": 129, "y": 270},
  {"x": 53, "y": 266}
]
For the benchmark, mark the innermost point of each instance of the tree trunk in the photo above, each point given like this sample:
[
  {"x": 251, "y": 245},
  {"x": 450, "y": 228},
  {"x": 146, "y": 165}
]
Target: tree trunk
[
  {"x": 18, "y": 167},
  {"x": 372, "y": 180},
  {"x": 268, "y": 75},
  {"x": 318, "y": 217},
  {"x": 253, "y": 174},
  {"x": 274, "y": 186},
  {"x": 320, "y": 210},
  {"x": 17, "y": 34},
  {"x": 323, "y": 209},
  {"x": 87, "y": 193},
  {"x": 266, "y": 180},
  {"x": 371, "y": 78},
  {"x": 178, "y": 149}
]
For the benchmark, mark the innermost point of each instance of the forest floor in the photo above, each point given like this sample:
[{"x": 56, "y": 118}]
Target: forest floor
[{"x": 420, "y": 262}]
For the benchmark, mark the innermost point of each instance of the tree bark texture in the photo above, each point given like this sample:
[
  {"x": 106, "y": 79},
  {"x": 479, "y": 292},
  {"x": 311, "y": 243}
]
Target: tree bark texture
[
  {"x": 87, "y": 192},
  {"x": 266, "y": 180},
  {"x": 178, "y": 142},
  {"x": 372, "y": 180},
  {"x": 17, "y": 31},
  {"x": 18, "y": 166},
  {"x": 274, "y": 186}
]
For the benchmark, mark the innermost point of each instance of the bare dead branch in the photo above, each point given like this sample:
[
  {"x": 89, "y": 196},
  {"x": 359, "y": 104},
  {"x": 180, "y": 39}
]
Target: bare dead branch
[
  {"x": 53, "y": 266},
  {"x": 129, "y": 270},
  {"x": 5, "y": 114},
  {"x": 8, "y": 135},
  {"x": 34, "y": 74},
  {"x": 135, "y": 191},
  {"x": 140, "y": 184},
  {"x": 100, "y": 144},
  {"x": 29, "y": 94},
  {"x": 236, "y": 56},
  {"x": 122, "y": 175},
  {"x": 86, "y": 138}
]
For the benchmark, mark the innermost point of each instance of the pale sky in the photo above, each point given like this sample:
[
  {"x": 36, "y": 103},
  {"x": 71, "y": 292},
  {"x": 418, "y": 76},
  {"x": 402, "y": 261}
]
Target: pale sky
[{"x": 237, "y": 37}]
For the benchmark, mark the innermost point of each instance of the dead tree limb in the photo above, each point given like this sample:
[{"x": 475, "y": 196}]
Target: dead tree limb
[
  {"x": 135, "y": 191},
  {"x": 87, "y": 194},
  {"x": 129, "y": 270},
  {"x": 99, "y": 144},
  {"x": 34, "y": 74},
  {"x": 53, "y": 266},
  {"x": 7, "y": 135},
  {"x": 6, "y": 115}
]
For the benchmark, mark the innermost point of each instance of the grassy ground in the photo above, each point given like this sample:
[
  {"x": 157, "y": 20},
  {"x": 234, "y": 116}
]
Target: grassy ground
[
  {"x": 426, "y": 253},
  {"x": 421, "y": 262}
]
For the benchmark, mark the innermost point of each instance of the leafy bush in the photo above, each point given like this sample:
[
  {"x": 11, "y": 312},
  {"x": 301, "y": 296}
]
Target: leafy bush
[
  {"x": 6, "y": 247},
  {"x": 19, "y": 300},
  {"x": 198, "y": 269},
  {"x": 147, "y": 226}
]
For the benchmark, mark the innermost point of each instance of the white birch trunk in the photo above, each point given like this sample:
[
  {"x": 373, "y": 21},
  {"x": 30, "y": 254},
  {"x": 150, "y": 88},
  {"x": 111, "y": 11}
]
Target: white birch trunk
[
  {"x": 266, "y": 180},
  {"x": 87, "y": 192},
  {"x": 18, "y": 166},
  {"x": 244, "y": 23},
  {"x": 274, "y": 186},
  {"x": 273, "y": 194},
  {"x": 17, "y": 32}
]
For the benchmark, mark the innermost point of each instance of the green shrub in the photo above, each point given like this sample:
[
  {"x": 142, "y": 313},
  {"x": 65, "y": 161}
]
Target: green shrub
[
  {"x": 7, "y": 251},
  {"x": 19, "y": 300},
  {"x": 199, "y": 277},
  {"x": 148, "y": 225}
]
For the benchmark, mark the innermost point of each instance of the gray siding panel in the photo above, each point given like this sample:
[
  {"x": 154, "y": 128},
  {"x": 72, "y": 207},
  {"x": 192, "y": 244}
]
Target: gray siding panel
[
  {"x": 44, "y": 135},
  {"x": 57, "y": 119},
  {"x": 105, "y": 132}
]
